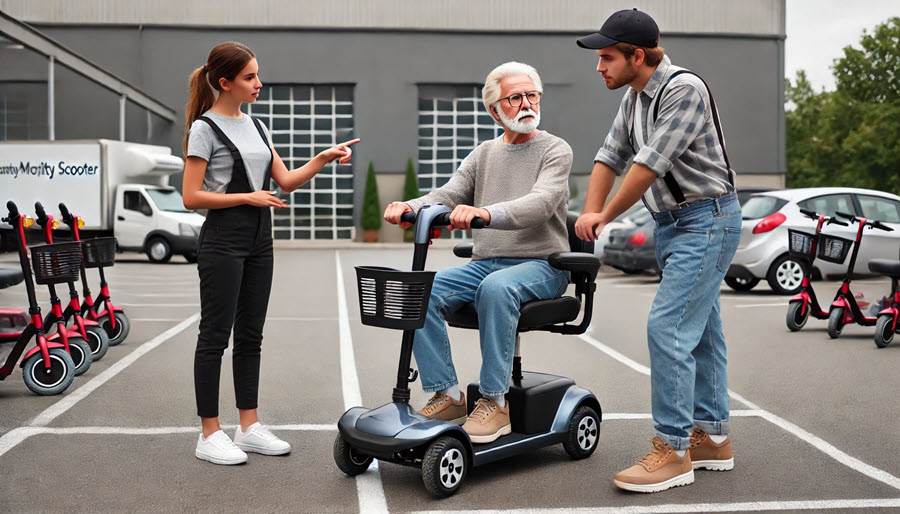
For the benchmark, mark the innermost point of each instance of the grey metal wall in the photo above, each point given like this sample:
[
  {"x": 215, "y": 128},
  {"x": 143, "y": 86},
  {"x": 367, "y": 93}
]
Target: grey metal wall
[{"x": 745, "y": 73}]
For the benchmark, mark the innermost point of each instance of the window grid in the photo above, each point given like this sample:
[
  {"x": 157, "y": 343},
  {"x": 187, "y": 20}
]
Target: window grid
[
  {"x": 466, "y": 112},
  {"x": 305, "y": 119}
]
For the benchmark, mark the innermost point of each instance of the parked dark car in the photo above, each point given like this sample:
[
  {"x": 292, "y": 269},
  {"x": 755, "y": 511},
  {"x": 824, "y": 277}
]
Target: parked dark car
[{"x": 631, "y": 249}]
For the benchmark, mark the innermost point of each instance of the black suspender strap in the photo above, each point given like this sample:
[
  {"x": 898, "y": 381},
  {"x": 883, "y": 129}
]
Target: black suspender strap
[
  {"x": 262, "y": 134},
  {"x": 715, "y": 113}
]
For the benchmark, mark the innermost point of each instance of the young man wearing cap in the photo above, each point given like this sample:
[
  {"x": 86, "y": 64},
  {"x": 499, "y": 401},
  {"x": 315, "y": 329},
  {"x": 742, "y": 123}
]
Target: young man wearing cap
[{"x": 668, "y": 127}]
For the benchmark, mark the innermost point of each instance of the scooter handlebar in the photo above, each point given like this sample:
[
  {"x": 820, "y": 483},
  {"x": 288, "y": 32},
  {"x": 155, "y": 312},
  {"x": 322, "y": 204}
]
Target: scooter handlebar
[
  {"x": 809, "y": 214},
  {"x": 849, "y": 217},
  {"x": 40, "y": 214},
  {"x": 66, "y": 215},
  {"x": 440, "y": 221},
  {"x": 13, "y": 212},
  {"x": 835, "y": 221},
  {"x": 881, "y": 226}
]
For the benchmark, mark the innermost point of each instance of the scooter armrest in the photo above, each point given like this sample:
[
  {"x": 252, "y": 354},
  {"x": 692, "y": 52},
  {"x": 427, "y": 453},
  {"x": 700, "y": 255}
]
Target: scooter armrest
[
  {"x": 576, "y": 262},
  {"x": 463, "y": 250}
]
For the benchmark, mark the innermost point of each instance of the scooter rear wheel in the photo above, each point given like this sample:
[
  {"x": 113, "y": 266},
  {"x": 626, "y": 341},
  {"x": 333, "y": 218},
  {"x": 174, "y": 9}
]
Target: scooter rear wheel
[
  {"x": 116, "y": 335},
  {"x": 583, "y": 434},
  {"x": 48, "y": 382},
  {"x": 81, "y": 355},
  {"x": 98, "y": 341},
  {"x": 444, "y": 466},
  {"x": 350, "y": 461},
  {"x": 796, "y": 317},
  {"x": 835, "y": 322},
  {"x": 884, "y": 331}
]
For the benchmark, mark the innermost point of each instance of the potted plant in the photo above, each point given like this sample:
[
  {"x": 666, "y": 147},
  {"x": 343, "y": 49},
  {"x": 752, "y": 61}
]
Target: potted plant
[
  {"x": 410, "y": 191},
  {"x": 371, "y": 208}
]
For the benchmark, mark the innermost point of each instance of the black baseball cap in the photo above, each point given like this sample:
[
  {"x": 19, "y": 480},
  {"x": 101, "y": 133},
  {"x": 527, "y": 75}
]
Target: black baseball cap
[{"x": 628, "y": 26}]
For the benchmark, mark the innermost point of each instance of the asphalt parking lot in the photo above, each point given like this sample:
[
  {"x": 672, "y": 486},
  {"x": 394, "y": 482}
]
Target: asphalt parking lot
[{"x": 814, "y": 419}]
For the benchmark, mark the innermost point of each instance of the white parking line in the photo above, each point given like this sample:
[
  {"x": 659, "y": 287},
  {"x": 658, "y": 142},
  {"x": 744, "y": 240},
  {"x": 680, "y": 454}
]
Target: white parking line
[
  {"x": 14, "y": 437},
  {"x": 368, "y": 485},
  {"x": 811, "y": 439},
  {"x": 697, "y": 507}
]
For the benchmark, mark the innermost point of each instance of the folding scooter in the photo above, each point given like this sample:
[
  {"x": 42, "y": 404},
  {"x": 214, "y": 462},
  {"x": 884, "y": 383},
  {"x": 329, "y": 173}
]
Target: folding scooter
[
  {"x": 887, "y": 324},
  {"x": 803, "y": 245},
  {"x": 47, "y": 369},
  {"x": 89, "y": 331},
  {"x": 844, "y": 309},
  {"x": 99, "y": 253},
  {"x": 544, "y": 409}
]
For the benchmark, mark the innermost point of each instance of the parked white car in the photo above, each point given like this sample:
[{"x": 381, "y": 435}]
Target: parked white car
[{"x": 763, "y": 250}]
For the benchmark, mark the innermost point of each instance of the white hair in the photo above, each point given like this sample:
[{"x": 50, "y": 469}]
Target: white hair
[{"x": 490, "y": 93}]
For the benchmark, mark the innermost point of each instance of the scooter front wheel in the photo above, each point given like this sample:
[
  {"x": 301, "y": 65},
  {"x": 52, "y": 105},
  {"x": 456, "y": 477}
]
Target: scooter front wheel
[
  {"x": 796, "y": 316},
  {"x": 444, "y": 466},
  {"x": 116, "y": 335},
  {"x": 835, "y": 322},
  {"x": 583, "y": 434},
  {"x": 884, "y": 330},
  {"x": 48, "y": 382},
  {"x": 98, "y": 341},
  {"x": 350, "y": 461},
  {"x": 81, "y": 355}
]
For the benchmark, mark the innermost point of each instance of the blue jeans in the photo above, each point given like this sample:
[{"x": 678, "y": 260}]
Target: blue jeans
[
  {"x": 498, "y": 287},
  {"x": 688, "y": 361}
]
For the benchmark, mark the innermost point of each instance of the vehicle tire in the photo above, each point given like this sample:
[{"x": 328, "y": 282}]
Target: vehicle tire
[
  {"x": 796, "y": 317},
  {"x": 583, "y": 434},
  {"x": 81, "y": 355},
  {"x": 348, "y": 459},
  {"x": 630, "y": 271},
  {"x": 741, "y": 284},
  {"x": 835, "y": 322},
  {"x": 98, "y": 341},
  {"x": 444, "y": 466},
  {"x": 158, "y": 250},
  {"x": 191, "y": 257},
  {"x": 884, "y": 332},
  {"x": 785, "y": 275},
  {"x": 50, "y": 382},
  {"x": 117, "y": 335}
]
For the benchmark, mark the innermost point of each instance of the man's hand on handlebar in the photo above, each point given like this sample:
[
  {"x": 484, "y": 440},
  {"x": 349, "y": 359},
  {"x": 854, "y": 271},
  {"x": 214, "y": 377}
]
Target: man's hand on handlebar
[
  {"x": 394, "y": 211},
  {"x": 589, "y": 225},
  {"x": 462, "y": 216}
]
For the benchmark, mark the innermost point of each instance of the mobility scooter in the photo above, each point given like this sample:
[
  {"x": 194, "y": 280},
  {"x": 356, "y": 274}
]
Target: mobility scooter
[
  {"x": 544, "y": 409},
  {"x": 803, "y": 246},
  {"x": 887, "y": 324}
]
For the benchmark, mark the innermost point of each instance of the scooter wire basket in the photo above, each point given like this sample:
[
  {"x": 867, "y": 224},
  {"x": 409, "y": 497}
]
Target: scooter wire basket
[
  {"x": 800, "y": 244},
  {"x": 56, "y": 263},
  {"x": 99, "y": 252},
  {"x": 833, "y": 249},
  {"x": 389, "y": 298}
]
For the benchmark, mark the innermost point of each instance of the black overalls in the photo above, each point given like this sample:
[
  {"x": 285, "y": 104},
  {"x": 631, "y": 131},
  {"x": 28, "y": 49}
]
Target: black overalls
[{"x": 235, "y": 266}]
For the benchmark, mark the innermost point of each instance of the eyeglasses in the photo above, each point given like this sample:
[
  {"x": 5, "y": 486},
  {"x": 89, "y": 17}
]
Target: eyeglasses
[{"x": 515, "y": 100}]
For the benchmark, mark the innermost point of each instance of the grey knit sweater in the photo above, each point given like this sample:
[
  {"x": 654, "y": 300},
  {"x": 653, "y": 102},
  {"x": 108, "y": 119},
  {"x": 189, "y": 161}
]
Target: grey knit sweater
[{"x": 525, "y": 187}]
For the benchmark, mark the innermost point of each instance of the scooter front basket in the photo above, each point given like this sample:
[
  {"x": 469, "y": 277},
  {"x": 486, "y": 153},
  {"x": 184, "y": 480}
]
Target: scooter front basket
[
  {"x": 800, "y": 244},
  {"x": 834, "y": 249},
  {"x": 56, "y": 263},
  {"x": 389, "y": 298},
  {"x": 99, "y": 252}
]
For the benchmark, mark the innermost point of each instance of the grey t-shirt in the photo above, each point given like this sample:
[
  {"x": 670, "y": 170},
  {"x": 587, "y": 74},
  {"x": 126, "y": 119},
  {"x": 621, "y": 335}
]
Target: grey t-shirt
[
  {"x": 203, "y": 143},
  {"x": 525, "y": 187}
]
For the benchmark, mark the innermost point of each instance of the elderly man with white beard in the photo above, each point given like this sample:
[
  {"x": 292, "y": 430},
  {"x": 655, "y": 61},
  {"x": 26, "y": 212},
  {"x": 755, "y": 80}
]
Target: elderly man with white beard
[{"x": 518, "y": 184}]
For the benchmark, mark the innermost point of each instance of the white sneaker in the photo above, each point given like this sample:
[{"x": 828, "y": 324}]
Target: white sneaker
[
  {"x": 219, "y": 449},
  {"x": 258, "y": 439}
]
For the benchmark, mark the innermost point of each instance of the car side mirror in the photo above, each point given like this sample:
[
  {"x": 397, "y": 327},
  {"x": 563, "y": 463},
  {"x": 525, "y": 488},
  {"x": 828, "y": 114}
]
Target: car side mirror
[{"x": 146, "y": 210}]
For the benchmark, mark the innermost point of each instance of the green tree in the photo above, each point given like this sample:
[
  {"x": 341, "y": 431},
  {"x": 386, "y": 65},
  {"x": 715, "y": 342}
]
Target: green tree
[
  {"x": 850, "y": 136},
  {"x": 371, "y": 214}
]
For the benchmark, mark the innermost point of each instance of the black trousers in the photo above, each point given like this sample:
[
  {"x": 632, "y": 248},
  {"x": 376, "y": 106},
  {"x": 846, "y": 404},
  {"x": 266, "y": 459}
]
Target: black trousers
[{"x": 235, "y": 267}]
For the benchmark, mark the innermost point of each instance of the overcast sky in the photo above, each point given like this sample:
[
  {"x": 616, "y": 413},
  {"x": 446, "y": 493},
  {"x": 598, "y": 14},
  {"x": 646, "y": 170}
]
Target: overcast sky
[{"x": 818, "y": 30}]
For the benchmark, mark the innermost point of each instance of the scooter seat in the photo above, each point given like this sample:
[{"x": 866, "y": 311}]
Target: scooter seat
[
  {"x": 10, "y": 277},
  {"x": 534, "y": 315},
  {"x": 888, "y": 267}
]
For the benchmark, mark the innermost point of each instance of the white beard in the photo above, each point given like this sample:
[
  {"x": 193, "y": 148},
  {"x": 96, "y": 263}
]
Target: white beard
[{"x": 516, "y": 125}]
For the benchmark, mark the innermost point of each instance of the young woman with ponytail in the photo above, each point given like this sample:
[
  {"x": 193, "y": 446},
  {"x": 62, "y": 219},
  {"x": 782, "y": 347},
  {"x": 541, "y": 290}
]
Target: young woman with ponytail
[{"x": 229, "y": 161}]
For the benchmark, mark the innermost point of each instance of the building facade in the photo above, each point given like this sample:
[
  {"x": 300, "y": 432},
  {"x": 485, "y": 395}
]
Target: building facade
[{"x": 403, "y": 75}]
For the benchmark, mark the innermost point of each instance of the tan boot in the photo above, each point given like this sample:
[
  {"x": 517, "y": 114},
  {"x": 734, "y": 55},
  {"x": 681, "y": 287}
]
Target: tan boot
[
  {"x": 706, "y": 454},
  {"x": 488, "y": 421},
  {"x": 661, "y": 469},
  {"x": 444, "y": 408}
]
